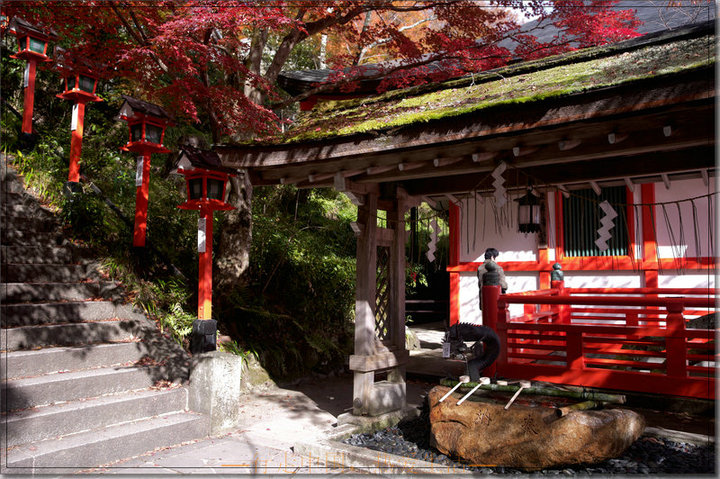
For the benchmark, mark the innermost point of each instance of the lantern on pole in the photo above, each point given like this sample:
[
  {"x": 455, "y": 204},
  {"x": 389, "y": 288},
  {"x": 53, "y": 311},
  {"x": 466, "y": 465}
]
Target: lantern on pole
[
  {"x": 146, "y": 124},
  {"x": 205, "y": 180},
  {"x": 529, "y": 212},
  {"x": 32, "y": 47},
  {"x": 79, "y": 84}
]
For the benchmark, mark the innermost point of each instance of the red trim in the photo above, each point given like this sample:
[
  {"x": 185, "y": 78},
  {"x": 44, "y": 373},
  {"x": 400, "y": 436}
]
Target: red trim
[
  {"x": 454, "y": 226},
  {"x": 142, "y": 195},
  {"x": 454, "y": 298},
  {"x": 647, "y": 192},
  {"x": 454, "y": 261},
  {"x": 29, "y": 98},
  {"x": 76, "y": 144},
  {"x": 615, "y": 263}
]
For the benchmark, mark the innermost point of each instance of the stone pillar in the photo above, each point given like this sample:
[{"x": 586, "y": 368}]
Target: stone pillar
[{"x": 215, "y": 388}]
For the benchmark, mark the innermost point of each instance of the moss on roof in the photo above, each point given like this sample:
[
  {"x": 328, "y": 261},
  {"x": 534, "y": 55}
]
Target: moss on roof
[{"x": 442, "y": 101}]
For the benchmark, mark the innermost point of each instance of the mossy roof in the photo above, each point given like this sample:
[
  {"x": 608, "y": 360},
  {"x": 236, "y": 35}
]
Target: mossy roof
[{"x": 535, "y": 81}]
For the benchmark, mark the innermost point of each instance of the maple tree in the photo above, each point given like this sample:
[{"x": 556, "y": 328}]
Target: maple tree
[{"x": 216, "y": 62}]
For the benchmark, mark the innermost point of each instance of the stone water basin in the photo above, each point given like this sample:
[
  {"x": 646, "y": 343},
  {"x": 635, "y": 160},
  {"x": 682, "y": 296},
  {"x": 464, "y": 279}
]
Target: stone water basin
[{"x": 529, "y": 434}]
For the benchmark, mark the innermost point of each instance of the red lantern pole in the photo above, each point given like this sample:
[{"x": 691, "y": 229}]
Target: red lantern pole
[
  {"x": 205, "y": 239},
  {"x": 76, "y": 129},
  {"x": 205, "y": 190},
  {"x": 142, "y": 196},
  {"x": 29, "y": 95}
]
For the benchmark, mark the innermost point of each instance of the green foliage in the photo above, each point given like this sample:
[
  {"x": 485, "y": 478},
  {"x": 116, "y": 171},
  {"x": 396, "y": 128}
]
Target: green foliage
[{"x": 299, "y": 308}]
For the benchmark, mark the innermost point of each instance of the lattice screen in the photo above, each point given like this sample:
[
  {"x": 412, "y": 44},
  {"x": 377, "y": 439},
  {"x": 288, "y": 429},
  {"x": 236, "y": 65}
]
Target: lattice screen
[{"x": 382, "y": 298}]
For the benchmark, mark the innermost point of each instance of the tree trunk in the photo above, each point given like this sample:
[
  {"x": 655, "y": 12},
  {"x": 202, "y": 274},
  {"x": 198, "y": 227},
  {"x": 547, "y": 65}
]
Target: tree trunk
[{"x": 232, "y": 260}]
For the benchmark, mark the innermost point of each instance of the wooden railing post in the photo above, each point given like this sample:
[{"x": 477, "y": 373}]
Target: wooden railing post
[
  {"x": 675, "y": 346},
  {"x": 501, "y": 327},
  {"x": 557, "y": 281},
  {"x": 491, "y": 308}
]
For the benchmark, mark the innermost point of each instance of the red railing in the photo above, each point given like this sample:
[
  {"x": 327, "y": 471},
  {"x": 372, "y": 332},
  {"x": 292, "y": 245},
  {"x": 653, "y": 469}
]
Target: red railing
[{"x": 632, "y": 339}]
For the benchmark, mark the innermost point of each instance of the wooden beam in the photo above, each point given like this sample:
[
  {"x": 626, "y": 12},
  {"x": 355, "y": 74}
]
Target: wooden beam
[
  {"x": 705, "y": 176},
  {"x": 440, "y": 162},
  {"x": 484, "y": 156},
  {"x": 410, "y": 166},
  {"x": 375, "y": 170},
  {"x": 567, "y": 145},
  {"x": 615, "y": 138},
  {"x": 666, "y": 180},
  {"x": 613, "y": 168}
]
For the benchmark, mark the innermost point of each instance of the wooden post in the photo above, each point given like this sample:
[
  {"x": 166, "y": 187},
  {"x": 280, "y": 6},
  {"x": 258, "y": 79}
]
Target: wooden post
[
  {"x": 501, "y": 328},
  {"x": 365, "y": 301},
  {"x": 142, "y": 194},
  {"x": 675, "y": 346},
  {"x": 76, "y": 127},
  {"x": 396, "y": 218},
  {"x": 366, "y": 271},
  {"x": 454, "y": 260},
  {"x": 29, "y": 95}
]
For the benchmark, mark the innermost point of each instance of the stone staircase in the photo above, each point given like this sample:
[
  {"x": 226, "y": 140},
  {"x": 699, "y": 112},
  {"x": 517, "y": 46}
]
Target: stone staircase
[{"x": 87, "y": 379}]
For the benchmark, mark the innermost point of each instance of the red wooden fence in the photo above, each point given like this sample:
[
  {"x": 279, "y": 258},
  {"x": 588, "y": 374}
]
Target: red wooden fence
[{"x": 624, "y": 339}]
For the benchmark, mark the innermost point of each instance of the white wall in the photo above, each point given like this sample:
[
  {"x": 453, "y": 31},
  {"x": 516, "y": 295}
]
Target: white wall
[
  {"x": 469, "y": 301},
  {"x": 493, "y": 229},
  {"x": 604, "y": 279},
  {"x": 691, "y": 236},
  {"x": 685, "y": 279}
]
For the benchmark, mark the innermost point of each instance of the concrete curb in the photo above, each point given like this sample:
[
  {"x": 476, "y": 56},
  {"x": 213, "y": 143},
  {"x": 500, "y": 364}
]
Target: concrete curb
[
  {"x": 334, "y": 452},
  {"x": 679, "y": 436}
]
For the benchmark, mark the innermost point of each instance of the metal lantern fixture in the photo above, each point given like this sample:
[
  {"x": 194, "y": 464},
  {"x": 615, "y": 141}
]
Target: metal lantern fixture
[
  {"x": 32, "y": 47},
  {"x": 146, "y": 123},
  {"x": 529, "y": 213},
  {"x": 205, "y": 181}
]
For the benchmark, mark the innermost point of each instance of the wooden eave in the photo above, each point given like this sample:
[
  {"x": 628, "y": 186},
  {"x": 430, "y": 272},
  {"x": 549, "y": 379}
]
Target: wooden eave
[{"x": 549, "y": 138}]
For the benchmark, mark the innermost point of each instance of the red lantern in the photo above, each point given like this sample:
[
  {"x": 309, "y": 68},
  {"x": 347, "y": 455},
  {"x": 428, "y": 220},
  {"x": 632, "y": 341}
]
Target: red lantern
[
  {"x": 146, "y": 124},
  {"x": 205, "y": 180},
  {"x": 80, "y": 87},
  {"x": 32, "y": 47}
]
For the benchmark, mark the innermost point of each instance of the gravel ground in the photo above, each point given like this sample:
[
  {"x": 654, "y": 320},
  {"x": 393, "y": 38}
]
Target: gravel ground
[{"x": 648, "y": 455}]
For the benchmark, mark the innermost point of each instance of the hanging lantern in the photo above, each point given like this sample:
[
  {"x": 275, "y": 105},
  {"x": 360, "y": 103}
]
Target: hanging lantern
[
  {"x": 205, "y": 180},
  {"x": 529, "y": 213}
]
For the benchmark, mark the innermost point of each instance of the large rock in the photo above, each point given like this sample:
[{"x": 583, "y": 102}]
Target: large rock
[{"x": 484, "y": 433}]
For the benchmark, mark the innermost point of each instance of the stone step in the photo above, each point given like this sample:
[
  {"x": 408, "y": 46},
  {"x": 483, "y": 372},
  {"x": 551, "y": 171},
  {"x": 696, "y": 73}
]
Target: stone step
[
  {"x": 48, "y": 273},
  {"x": 26, "y": 209},
  {"x": 11, "y": 236},
  {"x": 34, "y": 314},
  {"x": 51, "y": 292},
  {"x": 22, "y": 254},
  {"x": 20, "y": 364},
  {"x": 71, "y": 334},
  {"x": 12, "y": 185},
  {"x": 91, "y": 449},
  {"x": 53, "y": 388},
  {"x": 29, "y": 225},
  {"x": 38, "y": 424}
]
